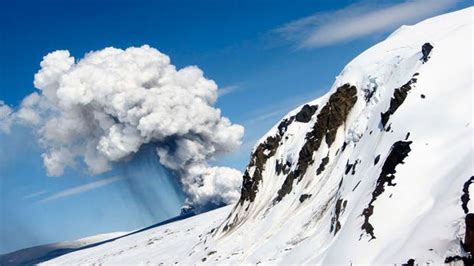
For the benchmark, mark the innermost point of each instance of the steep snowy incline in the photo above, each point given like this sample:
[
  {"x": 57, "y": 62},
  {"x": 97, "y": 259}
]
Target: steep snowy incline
[
  {"x": 378, "y": 170},
  {"x": 378, "y": 178}
]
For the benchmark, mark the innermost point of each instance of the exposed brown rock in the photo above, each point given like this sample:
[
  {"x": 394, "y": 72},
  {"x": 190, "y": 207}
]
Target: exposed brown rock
[
  {"x": 305, "y": 114},
  {"x": 270, "y": 145},
  {"x": 329, "y": 119},
  {"x": 258, "y": 159}
]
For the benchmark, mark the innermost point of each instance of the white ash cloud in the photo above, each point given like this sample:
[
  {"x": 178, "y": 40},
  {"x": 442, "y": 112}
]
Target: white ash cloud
[
  {"x": 103, "y": 108},
  {"x": 6, "y": 117}
]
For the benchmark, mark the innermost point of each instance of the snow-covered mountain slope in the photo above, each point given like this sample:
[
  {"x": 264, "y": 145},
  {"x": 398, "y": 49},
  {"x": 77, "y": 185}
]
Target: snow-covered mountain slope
[
  {"x": 167, "y": 244},
  {"x": 43, "y": 252},
  {"x": 378, "y": 170}
]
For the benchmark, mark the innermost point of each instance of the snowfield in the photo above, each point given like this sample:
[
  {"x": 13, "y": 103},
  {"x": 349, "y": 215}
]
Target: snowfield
[
  {"x": 40, "y": 253},
  {"x": 378, "y": 170},
  {"x": 167, "y": 244}
]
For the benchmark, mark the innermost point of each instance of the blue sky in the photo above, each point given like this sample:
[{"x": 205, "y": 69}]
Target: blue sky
[{"x": 266, "y": 56}]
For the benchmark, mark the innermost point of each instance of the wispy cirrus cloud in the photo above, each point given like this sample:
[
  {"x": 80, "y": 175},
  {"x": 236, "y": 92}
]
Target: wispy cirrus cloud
[
  {"x": 81, "y": 189},
  {"x": 35, "y": 194},
  {"x": 227, "y": 89},
  {"x": 358, "y": 20}
]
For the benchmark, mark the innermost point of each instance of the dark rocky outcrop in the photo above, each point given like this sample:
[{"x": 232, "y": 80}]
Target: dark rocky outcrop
[
  {"x": 467, "y": 260},
  {"x": 304, "y": 197},
  {"x": 258, "y": 159},
  {"x": 354, "y": 167},
  {"x": 398, "y": 153},
  {"x": 351, "y": 166},
  {"x": 323, "y": 164},
  {"x": 426, "y": 51},
  {"x": 348, "y": 167},
  {"x": 376, "y": 160},
  {"x": 465, "y": 196},
  {"x": 344, "y": 146},
  {"x": 398, "y": 98},
  {"x": 281, "y": 167},
  {"x": 410, "y": 262},
  {"x": 329, "y": 119},
  {"x": 469, "y": 235},
  {"x": 283, "y": 126},
  {"x": 338, "y": 210},
  {"x": 368, "y": 94},
  {"x": 468, "y": 244},
  {"x": 305, "y": 114},
  {"x": 287, "y": 186}
]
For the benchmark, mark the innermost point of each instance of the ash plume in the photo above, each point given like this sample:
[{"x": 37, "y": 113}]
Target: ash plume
[{"x": 102, "y": 109}]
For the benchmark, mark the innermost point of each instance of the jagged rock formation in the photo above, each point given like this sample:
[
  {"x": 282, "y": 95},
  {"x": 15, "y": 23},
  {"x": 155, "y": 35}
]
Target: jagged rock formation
[
  {"x": 398, "y": 153},
  {"x": 469, "y": 236},
  {"x": 306, "y": 113},
  {"x": 398, "y": 98},
  {"x": 426, "y": 50},
  {"x": 330, "y": 118}
]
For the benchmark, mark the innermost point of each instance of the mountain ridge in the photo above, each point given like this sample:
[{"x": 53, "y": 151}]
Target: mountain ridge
[{"x": 378, "y": 170}]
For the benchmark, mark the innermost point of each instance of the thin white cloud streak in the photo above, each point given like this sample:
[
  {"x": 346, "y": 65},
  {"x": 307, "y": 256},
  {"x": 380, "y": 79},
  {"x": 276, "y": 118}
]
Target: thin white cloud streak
[
  {"x": 35, "y": 194},
  {"x": 227, "y": 90},
  {"x": 81, "y": 189},
  {"x": 358, "y": 20}
]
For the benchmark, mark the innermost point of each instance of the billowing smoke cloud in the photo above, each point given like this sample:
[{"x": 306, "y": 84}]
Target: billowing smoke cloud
[
  {"x": 104, "y": 108},
  {"x": 6, "y": 117}
]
